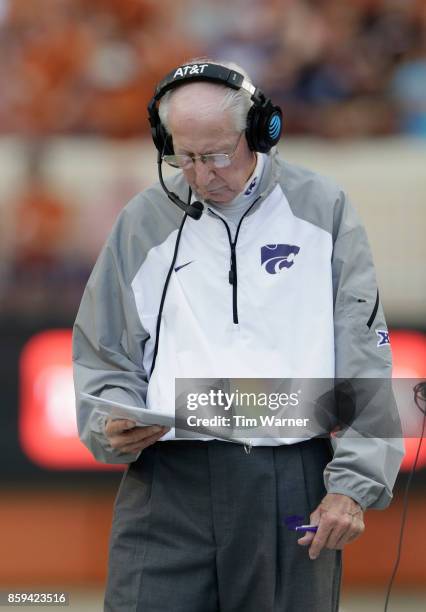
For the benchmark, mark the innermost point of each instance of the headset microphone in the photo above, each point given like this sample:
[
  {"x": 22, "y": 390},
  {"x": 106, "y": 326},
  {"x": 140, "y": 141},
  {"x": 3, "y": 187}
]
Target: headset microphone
[{"x": 194, "y": 210}]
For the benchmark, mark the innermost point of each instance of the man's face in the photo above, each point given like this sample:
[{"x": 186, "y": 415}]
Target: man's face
[{"x": 199, "y": 127}]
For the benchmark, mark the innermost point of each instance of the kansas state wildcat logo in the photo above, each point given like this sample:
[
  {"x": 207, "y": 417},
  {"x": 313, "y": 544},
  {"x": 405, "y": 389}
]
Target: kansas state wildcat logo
[
  {"x": 250, "y": 188},
  {"x": 275, "y": 257}
]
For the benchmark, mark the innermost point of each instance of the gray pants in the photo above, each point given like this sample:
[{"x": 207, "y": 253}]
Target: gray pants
[{"x": 200, "y": 527}]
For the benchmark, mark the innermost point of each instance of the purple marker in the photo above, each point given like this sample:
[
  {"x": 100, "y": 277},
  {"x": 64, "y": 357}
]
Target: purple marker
[{"x": 312, "y": 528}]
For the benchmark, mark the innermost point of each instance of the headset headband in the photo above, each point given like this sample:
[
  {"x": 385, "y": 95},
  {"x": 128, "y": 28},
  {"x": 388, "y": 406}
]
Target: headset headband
[
  {"x": 204, "y": 72},
  {"x": 264, "y": 120}
]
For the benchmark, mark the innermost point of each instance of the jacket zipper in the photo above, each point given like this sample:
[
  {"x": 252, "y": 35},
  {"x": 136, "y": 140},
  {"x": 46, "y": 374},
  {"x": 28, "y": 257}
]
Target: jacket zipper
[
  {"x": 232, "y": 274},
  {"x": 373, "y": 314}
]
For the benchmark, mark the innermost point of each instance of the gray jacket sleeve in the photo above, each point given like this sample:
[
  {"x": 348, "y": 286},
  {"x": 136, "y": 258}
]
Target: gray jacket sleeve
[
  {"x": 366, "y": 461},
  {"x": 106, "y": 358}
]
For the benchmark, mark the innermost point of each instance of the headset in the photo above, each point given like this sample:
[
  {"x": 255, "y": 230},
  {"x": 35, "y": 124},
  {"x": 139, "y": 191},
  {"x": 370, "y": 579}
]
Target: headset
[{"x": 264, "y": 119}]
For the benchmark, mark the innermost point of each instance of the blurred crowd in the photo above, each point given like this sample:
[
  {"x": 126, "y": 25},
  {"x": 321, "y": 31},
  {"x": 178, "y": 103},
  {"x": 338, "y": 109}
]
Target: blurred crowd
[
  {"x": 53, "y": 228},
  {"x": 339, "y": 68},
  {"x": 83, "y": 66}
]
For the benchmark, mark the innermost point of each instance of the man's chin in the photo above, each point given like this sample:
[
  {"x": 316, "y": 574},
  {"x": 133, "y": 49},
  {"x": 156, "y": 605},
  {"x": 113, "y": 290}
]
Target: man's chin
[{"x": 221, "y": 196}]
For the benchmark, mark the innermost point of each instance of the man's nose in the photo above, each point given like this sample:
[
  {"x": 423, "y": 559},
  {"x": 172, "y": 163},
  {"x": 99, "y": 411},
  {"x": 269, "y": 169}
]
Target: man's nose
[{"x": 203, "y": 173}]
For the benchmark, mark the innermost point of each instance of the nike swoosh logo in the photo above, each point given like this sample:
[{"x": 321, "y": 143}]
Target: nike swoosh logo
[{"x": 183, "y": 265}]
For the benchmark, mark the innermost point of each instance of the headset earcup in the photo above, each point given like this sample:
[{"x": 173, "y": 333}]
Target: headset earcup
[
  {"x": 162, "y": 140},
  {"x": 251, "y": 129},
  {"x": 264, "y": 126}
]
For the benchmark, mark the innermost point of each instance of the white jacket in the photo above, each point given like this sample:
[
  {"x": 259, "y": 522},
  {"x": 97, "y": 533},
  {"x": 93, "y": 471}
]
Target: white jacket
[{"x": 294, "y": 297}]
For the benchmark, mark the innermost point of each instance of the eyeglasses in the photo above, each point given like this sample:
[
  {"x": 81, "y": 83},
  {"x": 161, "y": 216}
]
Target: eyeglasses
[{"x": 215, "y": 160}]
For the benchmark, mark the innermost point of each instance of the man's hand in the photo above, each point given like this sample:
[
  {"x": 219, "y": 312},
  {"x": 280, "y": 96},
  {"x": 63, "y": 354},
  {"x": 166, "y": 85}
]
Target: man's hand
[
  {"x": 339, "y": 519},
  {"x": 126, "y": 437}
]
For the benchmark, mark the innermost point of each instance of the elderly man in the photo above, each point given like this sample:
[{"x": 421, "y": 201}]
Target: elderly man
[{"x": 262, "y": 270}]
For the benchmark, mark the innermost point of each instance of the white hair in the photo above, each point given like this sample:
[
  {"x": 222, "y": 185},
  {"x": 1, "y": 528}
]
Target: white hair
[{"x": 236, "y": 101}]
